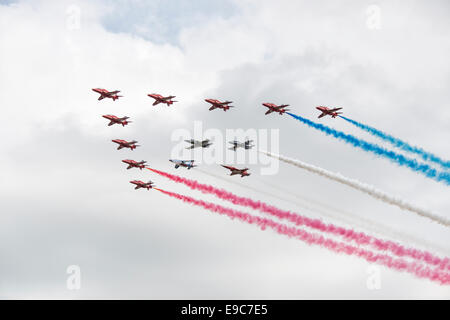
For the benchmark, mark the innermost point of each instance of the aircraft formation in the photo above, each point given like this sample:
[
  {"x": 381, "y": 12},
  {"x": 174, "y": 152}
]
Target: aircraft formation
[
  {"x": 214, "y": 104},
  {"x": 440, "y": 274}
]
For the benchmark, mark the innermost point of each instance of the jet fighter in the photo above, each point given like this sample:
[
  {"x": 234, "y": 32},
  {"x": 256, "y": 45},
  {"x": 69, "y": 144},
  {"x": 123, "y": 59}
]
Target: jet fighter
[
  {"x": 140, "y": 184},
  {"x": 135, "y": 164},
  {"x": 327, "y": 111},
  {"x": 274, "y": 108},
  {"x": 236, "y": 144},
  {"x": 107, "y": 94},
  {"x": 113, "y": 120},
  {"x": 125, "y": 144},
  {"x": 183, "y": 163},
  {"x": 242, "y": 172},
  {"x": 195, "y": 143},
  {"x": 160, "y": 99},
  {"x": 216, "y": 104}
]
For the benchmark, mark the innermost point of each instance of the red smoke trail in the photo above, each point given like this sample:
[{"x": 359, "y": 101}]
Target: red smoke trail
[
  {"x": 310, "y": 238},
  {"x": 349, "y": 234}
]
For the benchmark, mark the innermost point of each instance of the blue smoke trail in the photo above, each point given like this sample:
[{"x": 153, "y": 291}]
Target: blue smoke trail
[
  {"x": 427, "y": 156},
  {"x": 376, "y": 149}
]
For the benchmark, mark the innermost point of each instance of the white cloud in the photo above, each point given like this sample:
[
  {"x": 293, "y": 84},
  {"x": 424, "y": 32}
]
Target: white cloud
[{"x": 65, "y": 194}]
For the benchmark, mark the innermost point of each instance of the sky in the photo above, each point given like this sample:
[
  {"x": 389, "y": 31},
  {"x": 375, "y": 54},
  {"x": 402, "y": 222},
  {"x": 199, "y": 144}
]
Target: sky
[{"x": 65, "y": 196}]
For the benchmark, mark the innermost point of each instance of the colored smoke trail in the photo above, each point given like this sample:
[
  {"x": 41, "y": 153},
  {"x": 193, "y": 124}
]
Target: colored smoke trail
[
  {"x": 331, "y": 212},
  {"x": 300, "y": 201},
  {"x": 368, "y": 189},
  {"x": 400, "y": 159},
  {"x": 349, "y": 218},
  {"x": 415, "y": 268},
  {"x": 349, "y": 234},
  {"x": 427, "y": 156}
]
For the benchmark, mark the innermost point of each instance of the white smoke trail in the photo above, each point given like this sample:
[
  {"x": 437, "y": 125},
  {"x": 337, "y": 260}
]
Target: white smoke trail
[{"x": 363, "y": 187}]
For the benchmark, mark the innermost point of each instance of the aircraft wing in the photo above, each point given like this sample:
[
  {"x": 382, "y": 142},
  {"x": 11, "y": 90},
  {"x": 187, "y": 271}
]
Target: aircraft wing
[
  {"x": 322, "y": 115},
  {"x": 188, "y": 163},
  {"x": 228, "y": 167},
  {"x": 335, "y": 109}
]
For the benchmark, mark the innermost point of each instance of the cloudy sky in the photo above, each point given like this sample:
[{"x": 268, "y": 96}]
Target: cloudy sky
[{"x": 65, "y": 198}]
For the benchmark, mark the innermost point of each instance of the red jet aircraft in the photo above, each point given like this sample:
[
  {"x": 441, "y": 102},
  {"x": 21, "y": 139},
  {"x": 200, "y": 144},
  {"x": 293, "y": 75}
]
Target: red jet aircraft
[
  {"x": 135, "y": 164},
  {"x": 327, "y": 111},
  {"x": 160, "y": 99},
  {"x": 274, "y": 108},
  {"x": 242, "y": 172},
  {"x": 113, "y": 120},
  {"x": 140, "y": 184},
  {"x": 216, "y": 104},
  {"x": 125, "y": 144},
  {"x": 107, "y": 94}
]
